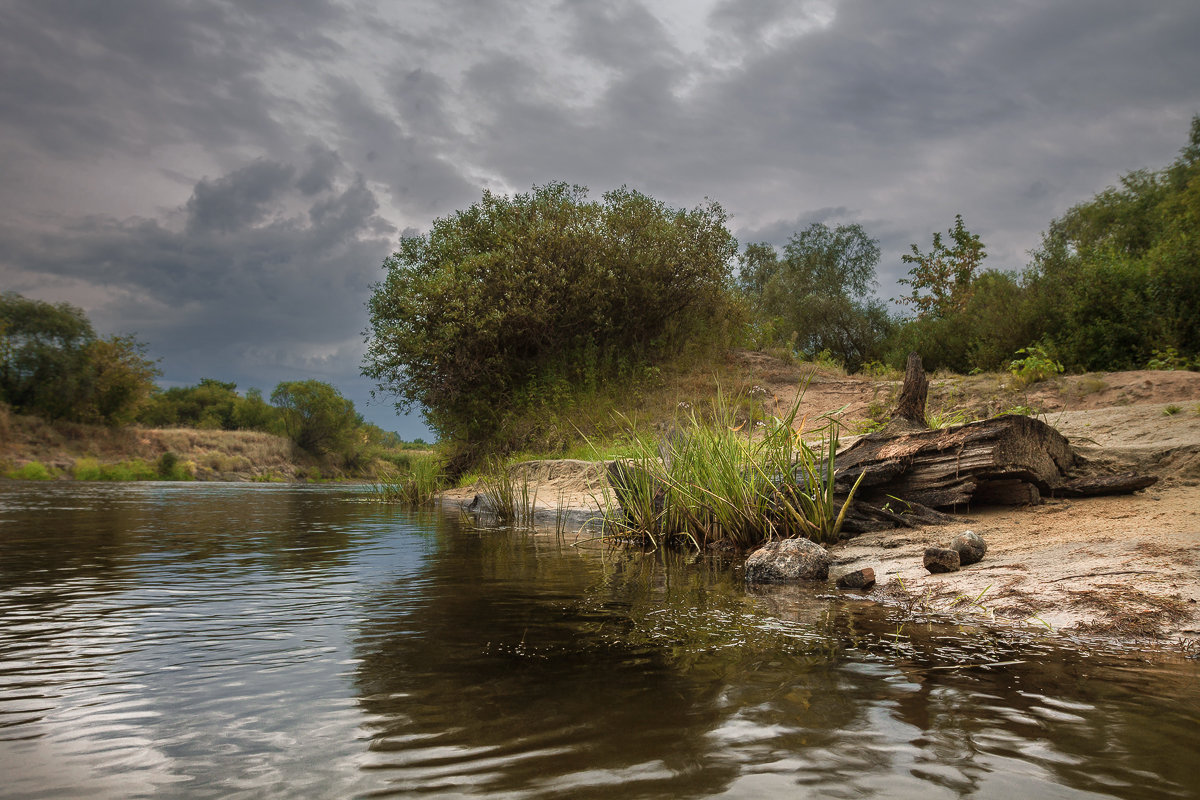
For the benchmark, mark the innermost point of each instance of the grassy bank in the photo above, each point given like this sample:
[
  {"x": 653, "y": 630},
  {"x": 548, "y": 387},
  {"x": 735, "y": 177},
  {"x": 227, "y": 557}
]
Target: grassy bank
[{"x": 33, "y": 449}]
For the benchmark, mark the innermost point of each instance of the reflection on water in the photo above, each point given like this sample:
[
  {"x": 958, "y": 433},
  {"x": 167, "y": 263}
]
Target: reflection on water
[{"x": 224, "y": 641}]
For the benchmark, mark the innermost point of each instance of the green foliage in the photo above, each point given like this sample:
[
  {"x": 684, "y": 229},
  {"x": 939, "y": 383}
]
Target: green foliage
[
  {"x": 319, "y": 420},
  {"x": 86, "y": 469},
  {"x": 942, "y": 279},
  {"x": 724, "y": 482},
  {"x": 414, "y": 485},
  {"x": 211, "y": 405},
  {"x": 89, "y": 469},
  {"x": 52, "y": 365},
  {"x": 1171, "y": 410},
  {"x": 31, "y": 471},
  {"x": 1118, "y": 277},
  {"x": 542, "y": 295},
  {"x": 1037, "y": 365},
  {"x": 1167, "y": 359},
  {"x": 817, "y": 296}
]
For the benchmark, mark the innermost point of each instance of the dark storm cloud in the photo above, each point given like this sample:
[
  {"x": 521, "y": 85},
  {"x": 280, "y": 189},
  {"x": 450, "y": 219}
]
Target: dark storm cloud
[
  {"x": 238, "y": 200},
  {"x": 80, "y": 79},
  {"x": 229, "y": 297}
]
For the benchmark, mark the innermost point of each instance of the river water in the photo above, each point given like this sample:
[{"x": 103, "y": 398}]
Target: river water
[{"x": 217, "y": 641}]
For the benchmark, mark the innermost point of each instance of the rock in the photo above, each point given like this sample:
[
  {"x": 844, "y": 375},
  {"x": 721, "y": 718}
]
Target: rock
[
  {"x": 859, "y": 579},
  {"x": 941, "y": 559},
  {"x": 481, "y": 504},
  {"x": 788, "y": 560},
  {"x": 970, "y": 546}
]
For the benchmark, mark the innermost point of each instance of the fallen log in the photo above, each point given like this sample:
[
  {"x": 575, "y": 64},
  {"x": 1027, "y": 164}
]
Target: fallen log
[{"x": 1006, "y": 460}]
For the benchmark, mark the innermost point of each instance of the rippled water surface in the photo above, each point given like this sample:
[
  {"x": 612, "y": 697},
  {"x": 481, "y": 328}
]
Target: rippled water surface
[{"x": 272, "y": 641}]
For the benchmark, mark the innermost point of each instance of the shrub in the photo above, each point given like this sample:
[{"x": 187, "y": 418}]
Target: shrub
[
  {"x": 1036, "y": 366},
  {"x": 86, "y": 469},
  {"x": 32, "y": 471}
]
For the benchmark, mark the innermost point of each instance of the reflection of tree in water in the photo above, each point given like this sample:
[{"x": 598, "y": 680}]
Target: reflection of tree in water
[{"x": 509, "y": 666}]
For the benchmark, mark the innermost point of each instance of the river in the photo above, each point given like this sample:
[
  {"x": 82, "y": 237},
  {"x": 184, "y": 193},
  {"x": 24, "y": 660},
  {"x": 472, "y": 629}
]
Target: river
[{"x": 224, "y": 641}]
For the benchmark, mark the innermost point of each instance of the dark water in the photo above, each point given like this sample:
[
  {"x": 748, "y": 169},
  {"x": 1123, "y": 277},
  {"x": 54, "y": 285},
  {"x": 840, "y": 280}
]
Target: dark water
[{"x": 265, "y": 641}]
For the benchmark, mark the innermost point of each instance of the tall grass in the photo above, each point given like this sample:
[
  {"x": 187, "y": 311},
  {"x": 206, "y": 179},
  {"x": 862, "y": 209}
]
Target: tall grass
[
  {"x": 413, "y": 486},
  {"x": 742, "y": 481},
  {"x": 512, "y": 497}
]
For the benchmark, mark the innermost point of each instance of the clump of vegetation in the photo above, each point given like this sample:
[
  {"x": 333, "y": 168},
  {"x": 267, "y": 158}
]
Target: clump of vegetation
[
  {"x": 414, "y": 485},
  {"x": 1167, "y": 359},
  {"x": 31, "y": 471},
  {"x": 1171, "y": 410},
  {"x": 511, "y": 496},
  {"x": 53, "y": 365},
  {"x": 1035, "y": 366},
  {"x": 726, "y": 480}
]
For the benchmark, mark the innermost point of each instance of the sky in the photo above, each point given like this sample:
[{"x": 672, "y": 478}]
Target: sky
[{"x": 225, "y": 179}]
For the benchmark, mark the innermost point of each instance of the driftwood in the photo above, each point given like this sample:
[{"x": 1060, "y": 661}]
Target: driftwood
[{"x": 908, "y": 469}]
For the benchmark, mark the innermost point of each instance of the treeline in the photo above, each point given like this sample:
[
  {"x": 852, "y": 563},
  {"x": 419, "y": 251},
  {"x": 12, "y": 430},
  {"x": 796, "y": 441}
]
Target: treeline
[
  {"x": 52, "y": 365},
  {"x": 1114, "y": 285},
  {"x": 514, "y": 317}
]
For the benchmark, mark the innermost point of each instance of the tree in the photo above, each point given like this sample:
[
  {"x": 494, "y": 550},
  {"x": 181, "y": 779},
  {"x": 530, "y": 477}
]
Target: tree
[
  {"x": 52, "y": 365},
  {"x": 1118, "y": 276},
  {"x": 541, "y": 295},
  {"x": 43, "y": 356},
  {"x": 122, "y": 380},
  {"x": 318, "y": 419},
  {"x": 942, "y": 279},
  {"x": 820, "y": 290}
]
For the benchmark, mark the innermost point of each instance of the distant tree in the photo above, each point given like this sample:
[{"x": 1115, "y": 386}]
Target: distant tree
[
  {"x": 43, "y": 356},
  {"x": 252, "y": 412},
  {"x": 318, "y": 419},
  {"x": 942, "y": 279},
  {"x": 122, "y": 380},
  {"x": 819, "y": 293},
  {"x": 52, "y": 364}
]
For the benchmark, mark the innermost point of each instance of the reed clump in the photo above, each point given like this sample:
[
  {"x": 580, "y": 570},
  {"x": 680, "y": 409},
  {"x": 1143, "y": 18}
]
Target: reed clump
[
  {"x": 509, "y": 493},
  {"x": 745, "y": 481},
  {"x": 414, "y": 485}
]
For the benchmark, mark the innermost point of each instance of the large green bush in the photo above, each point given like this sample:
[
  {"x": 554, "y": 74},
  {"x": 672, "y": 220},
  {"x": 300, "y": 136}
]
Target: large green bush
[{"x": 542, "y": 295}]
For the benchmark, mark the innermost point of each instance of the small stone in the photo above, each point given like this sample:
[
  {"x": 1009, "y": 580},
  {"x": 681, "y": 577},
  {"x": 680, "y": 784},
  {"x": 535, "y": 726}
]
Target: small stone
[
  {"x": 970, "y": 546},
  {"x": 859, "y": 579},
  {"x": 481, "y": 504},
  {"x": 941, "y": 559},
  {"x": 787, "y": 561}
]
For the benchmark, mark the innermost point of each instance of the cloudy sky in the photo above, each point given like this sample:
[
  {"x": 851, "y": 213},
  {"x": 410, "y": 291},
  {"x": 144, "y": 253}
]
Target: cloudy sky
[{"x": 225, "y": 178}]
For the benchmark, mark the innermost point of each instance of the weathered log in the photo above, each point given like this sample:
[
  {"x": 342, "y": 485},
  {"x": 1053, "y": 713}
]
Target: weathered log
[
  {"x": 1092, "y": 485},
  {"x": 940, "y": 468},
  {"x": 1007, "y": 460}
]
